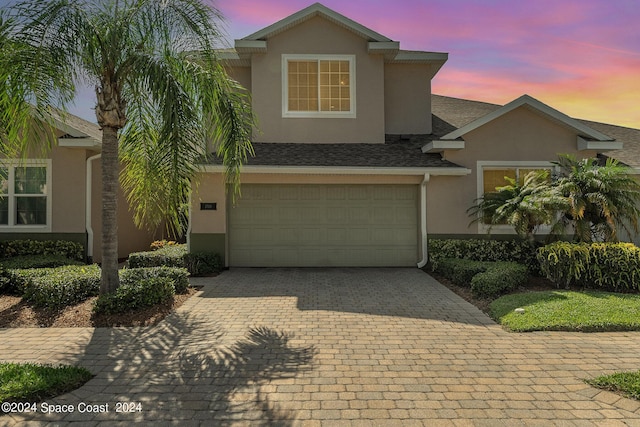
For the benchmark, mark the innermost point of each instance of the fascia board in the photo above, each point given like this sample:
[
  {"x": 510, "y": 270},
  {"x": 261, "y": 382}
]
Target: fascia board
[
  {"x": 439, "y": 146},
  {"x": 584, "y": 144},
  {"x": 324, "y": 170}
]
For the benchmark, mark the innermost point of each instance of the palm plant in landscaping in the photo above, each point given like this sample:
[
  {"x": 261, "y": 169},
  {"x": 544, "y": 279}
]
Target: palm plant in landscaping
[
  {"x": 525, "y": 206},
  {"x": 161, "y": 96},
  {"x": 602, "y": 199}
]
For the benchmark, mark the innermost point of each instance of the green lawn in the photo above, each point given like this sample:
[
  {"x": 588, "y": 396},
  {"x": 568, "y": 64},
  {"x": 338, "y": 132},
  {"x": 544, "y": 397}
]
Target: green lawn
[
  {"x": 568, "y": 311},
  {"x": 30, "y": 382},
  {"x": 627, "y": 383}
]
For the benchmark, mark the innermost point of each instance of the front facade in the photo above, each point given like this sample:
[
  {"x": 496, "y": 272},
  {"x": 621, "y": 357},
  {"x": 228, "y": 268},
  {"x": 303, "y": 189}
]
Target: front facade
[{"x": 356, "y": 162}]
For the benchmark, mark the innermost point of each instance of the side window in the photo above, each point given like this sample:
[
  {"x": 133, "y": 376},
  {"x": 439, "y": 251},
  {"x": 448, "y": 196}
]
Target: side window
[{"x": 24, "y": 196}]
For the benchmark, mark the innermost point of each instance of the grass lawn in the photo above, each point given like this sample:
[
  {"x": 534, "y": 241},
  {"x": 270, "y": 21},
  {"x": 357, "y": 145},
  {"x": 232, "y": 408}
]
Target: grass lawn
[
  {"x": 627, "y": 383},
  {"x": 587, "y": 311},
  {"x": 31, "y": 382}
]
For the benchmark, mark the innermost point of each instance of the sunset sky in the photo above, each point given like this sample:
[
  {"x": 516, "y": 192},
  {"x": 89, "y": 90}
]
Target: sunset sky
[{"x": 582, "y": 57}]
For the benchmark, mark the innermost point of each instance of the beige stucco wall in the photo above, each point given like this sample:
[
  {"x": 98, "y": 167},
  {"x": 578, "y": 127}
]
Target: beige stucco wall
[
  {"x": 520, "y": 135},
  {"x": 318, "y": 36},
  {"x": 407, "y": 98},
  {"x": 68, "y": 190},
  {"x": 209, "y": 187}
]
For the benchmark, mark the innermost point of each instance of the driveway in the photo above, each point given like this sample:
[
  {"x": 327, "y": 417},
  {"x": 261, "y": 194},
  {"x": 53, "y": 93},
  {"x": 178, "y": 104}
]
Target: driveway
[{"x": 331, "y": 347}]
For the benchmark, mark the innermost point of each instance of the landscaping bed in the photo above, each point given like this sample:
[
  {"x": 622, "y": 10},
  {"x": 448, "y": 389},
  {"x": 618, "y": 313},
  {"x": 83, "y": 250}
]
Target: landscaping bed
[{"x": 17, "y": 313}]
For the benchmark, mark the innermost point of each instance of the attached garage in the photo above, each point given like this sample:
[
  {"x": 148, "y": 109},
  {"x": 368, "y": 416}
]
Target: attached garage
[{"x": 320, "y": 225}]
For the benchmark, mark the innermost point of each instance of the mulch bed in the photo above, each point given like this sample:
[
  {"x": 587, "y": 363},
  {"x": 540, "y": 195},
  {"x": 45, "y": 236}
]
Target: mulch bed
[{"x": 16, "y": 313}]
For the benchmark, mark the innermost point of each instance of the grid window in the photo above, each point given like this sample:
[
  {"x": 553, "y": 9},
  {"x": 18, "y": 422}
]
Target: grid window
[{"x": 23, "y": 196}]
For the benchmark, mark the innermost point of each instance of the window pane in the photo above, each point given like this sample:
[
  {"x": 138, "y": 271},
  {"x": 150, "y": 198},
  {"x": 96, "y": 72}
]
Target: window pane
[
  {"x": 4, "y": 211},
  {"x": 31, "y": 180},
  {"x": 303, "y": 85},
  {"x": 495, "y": 178},
  {"x": 31, "y": 210},
  {"x": 4, "y": 180}
]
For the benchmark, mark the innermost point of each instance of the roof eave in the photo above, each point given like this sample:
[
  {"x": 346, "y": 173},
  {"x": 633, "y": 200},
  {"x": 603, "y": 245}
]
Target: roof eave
[{"x": 340, "y": 170}]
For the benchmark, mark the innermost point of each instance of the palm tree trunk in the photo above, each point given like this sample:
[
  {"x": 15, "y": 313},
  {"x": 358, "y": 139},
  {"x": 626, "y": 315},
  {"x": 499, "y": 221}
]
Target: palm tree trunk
[{"x": 110, "y": 169}]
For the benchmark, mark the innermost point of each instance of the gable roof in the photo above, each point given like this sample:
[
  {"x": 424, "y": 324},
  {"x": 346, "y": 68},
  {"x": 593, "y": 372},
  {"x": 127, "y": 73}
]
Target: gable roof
[
  {"x": 77, "y": 131},
  {"x": 451, "y": 113},
  {"x": 310, "y": 12},
  {"x": 537, "y": 106}
]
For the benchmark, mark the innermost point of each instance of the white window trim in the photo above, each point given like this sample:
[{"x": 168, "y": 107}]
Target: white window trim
[
  {"x": 497, "y": 164},
  {"x": 10, "y": 228},
  {"x": 319, "y": 114}
]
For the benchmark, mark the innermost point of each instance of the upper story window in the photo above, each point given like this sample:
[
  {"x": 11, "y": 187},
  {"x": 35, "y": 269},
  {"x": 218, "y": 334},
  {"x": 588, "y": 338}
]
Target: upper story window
[
  {"x": 318, "y": 86},
  {"x": 24, "y": 196}
]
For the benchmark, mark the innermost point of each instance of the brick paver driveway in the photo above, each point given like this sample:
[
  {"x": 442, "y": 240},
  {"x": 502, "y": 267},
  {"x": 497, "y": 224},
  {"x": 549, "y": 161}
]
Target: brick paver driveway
[{"x": 332, "y": 347}]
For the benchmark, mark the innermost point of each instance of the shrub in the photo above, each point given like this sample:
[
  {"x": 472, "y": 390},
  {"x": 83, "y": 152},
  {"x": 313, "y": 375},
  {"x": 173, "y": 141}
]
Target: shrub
[
  {"x": 520, "y": 251},
  {"x": 175, "y": 255},
  {"x": 179, "y": 276},
  {"x": 499, "y": 278},
  {"x": 136, "y": 294},
  {"x": 609, "y": 266},
  {"x": 169, "y": 256},
  {"x": 59, "y": 287},
  {"x": 159, "y": 244},
  {"x": 38, "y": 261},
  {"x": 13, "y": 248},
  {"x": 202, "y": 263},
  {"x": 461, "y": 271}
]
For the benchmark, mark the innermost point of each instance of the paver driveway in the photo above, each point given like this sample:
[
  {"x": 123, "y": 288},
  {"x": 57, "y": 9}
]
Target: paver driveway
[{"x": 333, "y": 347}]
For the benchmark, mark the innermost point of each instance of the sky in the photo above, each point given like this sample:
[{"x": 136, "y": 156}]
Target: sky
[{"x": 581, "y": 57}]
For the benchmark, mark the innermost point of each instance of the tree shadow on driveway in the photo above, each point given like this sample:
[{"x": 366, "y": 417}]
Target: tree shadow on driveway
[{"x": 184, "y": 369}]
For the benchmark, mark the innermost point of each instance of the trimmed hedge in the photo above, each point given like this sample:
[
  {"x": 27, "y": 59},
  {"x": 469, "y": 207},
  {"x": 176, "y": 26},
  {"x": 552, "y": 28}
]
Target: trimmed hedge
[
  {"x": 486, "y": 279},
  {"x": 55, "y": 288},
  {"x": 13, "y": 248},
  {"x": 135, "y": 295},
  {"x": 499, "y": 278},
  {"x": 179, "y": 276},
  {"x": 519, "y": 251},
  {"x": 176, "y": 255},
  {"x": 607, "y": 266},
  {"x": 38, "y": 261}
]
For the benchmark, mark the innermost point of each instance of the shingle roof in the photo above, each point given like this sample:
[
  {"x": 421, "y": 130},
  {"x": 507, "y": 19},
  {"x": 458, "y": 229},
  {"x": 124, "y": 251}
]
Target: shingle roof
[
  {"x": 451, "y": 113},
  {"x": 396, "y": 153}
]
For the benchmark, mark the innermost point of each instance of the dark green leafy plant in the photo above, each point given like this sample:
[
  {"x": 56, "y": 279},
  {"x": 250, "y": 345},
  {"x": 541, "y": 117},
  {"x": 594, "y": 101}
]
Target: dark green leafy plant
[
  {"x": 179, "y": 276},
  {"x": 55, "y": 288},
  {"x": 135, "y": 295},
  {"x": 498, "y": 279},
  {"x": 14, "y": 248}
]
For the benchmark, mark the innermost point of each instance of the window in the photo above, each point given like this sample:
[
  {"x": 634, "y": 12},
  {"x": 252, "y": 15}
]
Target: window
[
  {"x": 24, "y": 195},
  {"x": 492, "y": 175},
  {"x": 318, "y": 86}
]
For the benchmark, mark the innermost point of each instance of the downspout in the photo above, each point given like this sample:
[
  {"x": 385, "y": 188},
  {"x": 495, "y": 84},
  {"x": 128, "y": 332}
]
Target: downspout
[
  {"x": 423, "y": 221},
  {"x": 88, "y": 201}
]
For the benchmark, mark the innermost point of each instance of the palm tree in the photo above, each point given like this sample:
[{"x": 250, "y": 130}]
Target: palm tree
[
  {"x": 601, "y": 199},
  {"x": 160, "y": 95},
  {"x": 524, "y": 206}
]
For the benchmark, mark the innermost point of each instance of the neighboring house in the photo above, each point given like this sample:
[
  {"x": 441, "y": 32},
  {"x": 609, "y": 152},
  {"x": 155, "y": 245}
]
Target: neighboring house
[
  {"x": 44, "y": 197},
  {"x": 356, "y": 162}
]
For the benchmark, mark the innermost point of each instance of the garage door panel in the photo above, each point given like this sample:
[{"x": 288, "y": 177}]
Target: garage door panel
[{"x": 324, "y": 225}]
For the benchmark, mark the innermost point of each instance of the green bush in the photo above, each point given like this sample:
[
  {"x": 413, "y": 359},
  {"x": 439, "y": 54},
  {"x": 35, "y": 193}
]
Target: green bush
[
  {"x": 461, "y": 271},
  {"x": 519, "y": 251},
  {"x": 175, "y": 255},
  {"x": 37, "y": 261},
  {"x": 168, "y": 256},
  {"x": 59, "y": 287},
  {"x": 202, "y": 263},
  {"x": 179, "y": 276},
  {"x": 499, "y": 278},
  {"x": 135, "y": 295},
  {"x": 607, "y": 266},
  {"x": 13, "y": 248}
]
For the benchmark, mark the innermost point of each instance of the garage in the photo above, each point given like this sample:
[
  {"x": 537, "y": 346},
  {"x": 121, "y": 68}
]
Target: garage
[{"x": 308, "y": 225}]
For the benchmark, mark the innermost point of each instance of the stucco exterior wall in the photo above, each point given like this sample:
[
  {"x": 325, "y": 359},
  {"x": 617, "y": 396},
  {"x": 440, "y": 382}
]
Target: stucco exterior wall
[
  {"x": 68, "y": 190},
  {"x": 520, "y": 135},
  {"x": 407, "y": 99},
  {"x": 318, "y": 36},
  {"x": 209, "y": 188}
]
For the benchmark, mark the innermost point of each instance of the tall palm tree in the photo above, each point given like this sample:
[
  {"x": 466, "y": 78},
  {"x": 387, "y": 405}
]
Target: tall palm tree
[
  {"x": 525, "y": 206},
  {"x": 161, "y": 95},
  {"x": 602, "y": 199}
]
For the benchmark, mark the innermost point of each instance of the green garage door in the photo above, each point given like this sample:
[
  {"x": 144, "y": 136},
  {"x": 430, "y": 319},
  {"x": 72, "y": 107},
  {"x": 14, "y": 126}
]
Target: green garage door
[{"x": 324, "y": 225}]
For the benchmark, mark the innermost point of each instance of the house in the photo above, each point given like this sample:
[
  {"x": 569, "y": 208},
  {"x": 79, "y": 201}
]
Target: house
[
  {"x": 57, "y": 195},
  {"x": 356, "y": 162}
]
